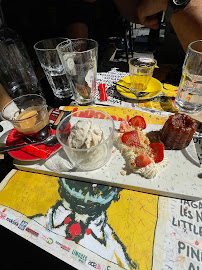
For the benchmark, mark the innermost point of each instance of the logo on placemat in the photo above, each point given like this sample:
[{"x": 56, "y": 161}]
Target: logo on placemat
[
  {"x": 79, "y": 256},
  {"x": 23, "y": 225},
  {"x": 3, "y": 214}
]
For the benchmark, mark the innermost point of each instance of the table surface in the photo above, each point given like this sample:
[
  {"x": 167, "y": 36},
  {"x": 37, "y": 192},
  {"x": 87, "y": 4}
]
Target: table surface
[{"x": 32, "y": 255}]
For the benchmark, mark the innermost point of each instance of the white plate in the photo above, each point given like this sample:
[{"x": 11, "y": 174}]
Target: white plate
[{"x": 180, "y": 179}]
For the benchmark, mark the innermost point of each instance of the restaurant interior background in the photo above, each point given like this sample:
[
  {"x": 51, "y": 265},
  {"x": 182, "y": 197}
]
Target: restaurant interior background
[{"x": 36, "y": 20}]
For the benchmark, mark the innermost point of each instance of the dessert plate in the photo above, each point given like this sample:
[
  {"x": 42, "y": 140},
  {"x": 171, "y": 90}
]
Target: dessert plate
[
  {"x": 14, "y": 138},
  {"x": 180, "y": 179},
  {"x": 154, "y": 89}
]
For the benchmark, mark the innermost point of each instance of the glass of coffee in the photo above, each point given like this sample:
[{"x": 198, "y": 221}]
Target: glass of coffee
[{"x": 29, "y": 115}]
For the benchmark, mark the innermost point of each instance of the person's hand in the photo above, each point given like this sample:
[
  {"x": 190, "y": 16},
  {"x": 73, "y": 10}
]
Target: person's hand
[
  {"x": 4, "y": 97},
  {"x": 147, "y": 11}
]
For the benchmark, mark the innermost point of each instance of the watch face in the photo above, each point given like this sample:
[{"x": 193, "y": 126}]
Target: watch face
[{"x": 179, "y": 2}]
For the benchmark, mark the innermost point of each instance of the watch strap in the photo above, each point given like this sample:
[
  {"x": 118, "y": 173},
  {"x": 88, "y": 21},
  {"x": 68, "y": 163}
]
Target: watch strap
[
  {"x": 169, "y": 12},
  {"x": 173, "y": 8}
]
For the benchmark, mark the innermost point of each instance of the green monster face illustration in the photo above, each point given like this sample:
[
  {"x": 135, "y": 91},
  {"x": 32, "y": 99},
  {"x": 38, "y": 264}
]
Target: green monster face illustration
[{"x": 86, "y": 197}]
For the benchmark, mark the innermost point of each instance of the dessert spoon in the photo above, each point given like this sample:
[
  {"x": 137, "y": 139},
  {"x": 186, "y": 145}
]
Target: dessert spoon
[
  {"x": 50, "y": 141},
  {"x": 138, "y": 94}
]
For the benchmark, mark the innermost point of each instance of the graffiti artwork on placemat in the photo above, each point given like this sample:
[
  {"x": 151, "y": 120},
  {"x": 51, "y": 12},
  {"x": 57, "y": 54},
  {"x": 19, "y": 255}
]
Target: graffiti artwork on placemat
[{"x": 114, "y": 224}]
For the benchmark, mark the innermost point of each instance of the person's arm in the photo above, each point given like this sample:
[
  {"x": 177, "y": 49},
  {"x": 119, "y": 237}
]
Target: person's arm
[
  {"x": 77, "y": 30},
  {"x": 128, "y": 8},
  {"x": 78, "y": 20},
  {"x": 4, "y": 97},
  {"x": 187, "y": 23},
  {"x": 147, "y": 11},
  {"x": 142, "y": 11}
]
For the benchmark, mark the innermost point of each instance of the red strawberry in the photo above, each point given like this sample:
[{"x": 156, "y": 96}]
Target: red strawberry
[
  {"x": 131, "y": 138},
  {"x": 158, "y": 151},
  {"x": 142, "y": 161},
  {"x": 137, "y": 121},
  {"x": 125, "y": 127}
]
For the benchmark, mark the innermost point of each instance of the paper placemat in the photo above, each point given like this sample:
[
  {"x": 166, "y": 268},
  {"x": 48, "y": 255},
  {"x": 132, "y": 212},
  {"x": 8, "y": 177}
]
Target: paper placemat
[{"x": 125, "y": 230}]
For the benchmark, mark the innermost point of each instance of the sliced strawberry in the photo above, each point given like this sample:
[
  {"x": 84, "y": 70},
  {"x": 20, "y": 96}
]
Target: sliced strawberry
[
  {"x": 142, "y": 161},
  {"x": 158, "y": 151},
  {"x": 131, "y": 138},
  {"x": 125, "y": 127},
  {"x": 137, "y": 121}
]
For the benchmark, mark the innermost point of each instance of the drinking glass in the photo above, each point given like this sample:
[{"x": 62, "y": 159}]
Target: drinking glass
[
  {"x": 16, "y": 72},
  {"x": 52, "y": 66},
  {"x": 141, "y": 70},
  {"x": 88, "y": 155},
  {"x": 189, "y": 95},
  {"x": 29, "y": 115},
  {"x": 79, "y": 59}
]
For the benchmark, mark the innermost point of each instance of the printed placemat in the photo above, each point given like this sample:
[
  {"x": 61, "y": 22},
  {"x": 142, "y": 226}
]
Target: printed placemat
[{"x": 124, "y": 229}]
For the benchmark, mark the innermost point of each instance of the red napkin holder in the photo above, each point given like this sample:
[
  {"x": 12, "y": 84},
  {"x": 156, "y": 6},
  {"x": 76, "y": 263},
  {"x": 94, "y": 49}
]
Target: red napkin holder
[{"x": 103, "y": 95}]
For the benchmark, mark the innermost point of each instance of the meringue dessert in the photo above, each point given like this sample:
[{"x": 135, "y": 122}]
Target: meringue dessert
[{"x": 143, "y": 157}]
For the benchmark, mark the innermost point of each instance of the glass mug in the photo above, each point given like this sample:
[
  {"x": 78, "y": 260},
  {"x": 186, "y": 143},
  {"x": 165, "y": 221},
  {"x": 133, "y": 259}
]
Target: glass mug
[{"x": 29, "y": 115}]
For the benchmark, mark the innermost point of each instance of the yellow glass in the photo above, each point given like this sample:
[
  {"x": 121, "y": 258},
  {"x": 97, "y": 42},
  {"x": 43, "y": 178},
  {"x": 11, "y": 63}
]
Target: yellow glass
[{"x": 141, "y": 71}]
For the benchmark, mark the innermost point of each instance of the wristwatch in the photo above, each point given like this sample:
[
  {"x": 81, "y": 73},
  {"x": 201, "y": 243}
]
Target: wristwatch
[{"x": 174, "y": 6}]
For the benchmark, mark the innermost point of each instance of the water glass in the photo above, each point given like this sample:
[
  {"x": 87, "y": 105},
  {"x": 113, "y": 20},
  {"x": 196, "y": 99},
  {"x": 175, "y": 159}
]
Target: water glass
[
  {"x": 189, "y": 95},
  {"x": 80, "y": 63},
  {"x": 141, "y": 70},
  {"x": 29, "y": 115},
  {"x": 52, "y": 66},
  {"x": 16, "y": 72}
]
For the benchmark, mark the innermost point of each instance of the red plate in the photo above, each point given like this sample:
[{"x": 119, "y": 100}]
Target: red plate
[{"x": 15, "y": 137}]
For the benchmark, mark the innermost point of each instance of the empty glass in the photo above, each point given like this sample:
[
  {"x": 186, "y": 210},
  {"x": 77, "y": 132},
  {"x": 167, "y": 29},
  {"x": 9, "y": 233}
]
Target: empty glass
[
  {"x": 16, "y": 72},
  {"x": 79, "y": 59}
]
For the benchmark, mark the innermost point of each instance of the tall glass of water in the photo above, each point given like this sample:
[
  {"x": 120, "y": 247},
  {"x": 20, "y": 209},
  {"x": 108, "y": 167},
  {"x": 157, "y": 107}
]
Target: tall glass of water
[
  {"x": 52, "y": 66},
  {"x": 189, "y": 95}
]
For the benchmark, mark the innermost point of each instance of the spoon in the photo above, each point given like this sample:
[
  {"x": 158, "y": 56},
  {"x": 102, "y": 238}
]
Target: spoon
[
  {"x": 138, "y": 94},
  {"x": 50, "y": 141}
]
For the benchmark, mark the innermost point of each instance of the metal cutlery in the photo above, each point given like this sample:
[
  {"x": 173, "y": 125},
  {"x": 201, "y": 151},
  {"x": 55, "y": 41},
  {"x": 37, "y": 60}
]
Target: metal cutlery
[{"x": 50, "y": 141}]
